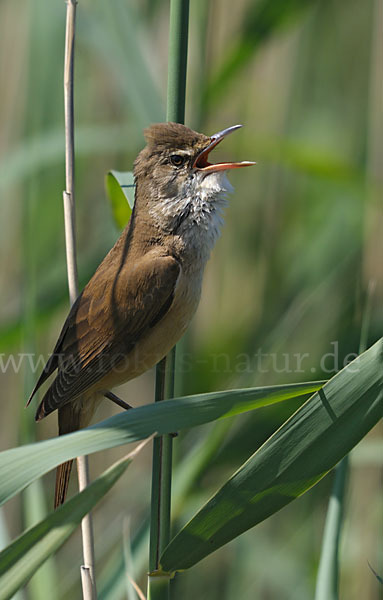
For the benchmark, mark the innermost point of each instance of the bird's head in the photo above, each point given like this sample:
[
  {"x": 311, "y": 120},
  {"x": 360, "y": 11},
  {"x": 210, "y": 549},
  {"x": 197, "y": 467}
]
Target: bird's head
[{"x": 174, "y": 172}]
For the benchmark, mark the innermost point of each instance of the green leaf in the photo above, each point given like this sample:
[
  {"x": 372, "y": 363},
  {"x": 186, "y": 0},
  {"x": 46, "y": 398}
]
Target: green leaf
[
  {"x": 120, "y": 188},
  {"x": 20, "y": 466},
  {"x": 289, "y": 463},
  {"x": 19, "y": 561}
]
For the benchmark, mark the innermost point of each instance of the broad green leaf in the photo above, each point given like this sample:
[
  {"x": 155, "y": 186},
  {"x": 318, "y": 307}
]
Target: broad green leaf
[
  {"x": 19, "y": 561},
  {"x": 20, "y": 466},
  {"x": 289, "y": 463},
  {"x": 120, "y": 188}
]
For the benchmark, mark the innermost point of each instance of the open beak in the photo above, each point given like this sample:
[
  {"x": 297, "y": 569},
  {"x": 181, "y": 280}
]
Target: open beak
[{"x": 201, "y": 163}]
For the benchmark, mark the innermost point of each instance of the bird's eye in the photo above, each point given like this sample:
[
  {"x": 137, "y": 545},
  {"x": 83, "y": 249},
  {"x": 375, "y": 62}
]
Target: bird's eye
[{"x": 177, "y": 160}]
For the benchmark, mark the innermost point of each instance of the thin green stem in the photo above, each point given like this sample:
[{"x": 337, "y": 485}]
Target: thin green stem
[
  {"x": 162, "y": 469},
  {"x": 158, "y": 587},
  {"x": 328, "y": 572},
  {"x": 177, "y": 61}
]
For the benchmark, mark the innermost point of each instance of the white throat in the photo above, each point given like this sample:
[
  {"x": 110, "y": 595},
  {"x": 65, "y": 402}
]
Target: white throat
[{"x": 196, "y": 214}]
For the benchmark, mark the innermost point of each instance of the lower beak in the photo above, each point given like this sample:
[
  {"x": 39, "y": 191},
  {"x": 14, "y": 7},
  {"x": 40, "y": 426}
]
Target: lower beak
[{"x": 201, "y": 163}]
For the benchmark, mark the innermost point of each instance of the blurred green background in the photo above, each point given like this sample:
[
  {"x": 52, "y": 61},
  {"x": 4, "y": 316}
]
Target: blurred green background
[{"x": 284, "y": 292}]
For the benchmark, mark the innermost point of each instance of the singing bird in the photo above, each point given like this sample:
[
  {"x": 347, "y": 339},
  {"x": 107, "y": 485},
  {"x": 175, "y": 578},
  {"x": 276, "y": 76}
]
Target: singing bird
[{"x": 143, "y": 295}]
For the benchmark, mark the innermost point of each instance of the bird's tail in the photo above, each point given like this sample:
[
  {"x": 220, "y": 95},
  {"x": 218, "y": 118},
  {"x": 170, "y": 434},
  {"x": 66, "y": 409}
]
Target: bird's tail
[
  {"x": 62, "y": 481},
  {"x": 69, "y": 420},
  {"x": 72, "y": 416}
]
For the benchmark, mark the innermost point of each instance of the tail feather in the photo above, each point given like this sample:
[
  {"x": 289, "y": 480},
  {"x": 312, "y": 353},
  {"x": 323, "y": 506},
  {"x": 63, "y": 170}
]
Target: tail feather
[
  {"x": 62, "y": 481},
  {"x": 69, "y": 420},
  {"x": 72, "y": 416}
]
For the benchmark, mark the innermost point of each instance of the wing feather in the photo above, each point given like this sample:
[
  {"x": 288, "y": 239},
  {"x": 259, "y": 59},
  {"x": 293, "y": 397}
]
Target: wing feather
[{"x": 105, "y": 324}]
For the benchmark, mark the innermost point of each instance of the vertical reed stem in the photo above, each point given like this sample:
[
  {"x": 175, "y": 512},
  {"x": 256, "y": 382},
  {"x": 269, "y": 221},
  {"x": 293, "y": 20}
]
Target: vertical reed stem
[
  {"x": 87, "y": 570},
  {"x": 177, "y": 61},
  {"x": 328, "y": 572},
  {"x": 158, "y": 586}
]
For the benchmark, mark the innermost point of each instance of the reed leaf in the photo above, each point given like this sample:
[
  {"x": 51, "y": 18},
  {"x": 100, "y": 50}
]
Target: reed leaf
[
  {"x": 19, "y": 561},
  {"x": 120, "y": 188},
  {"x": 20, "y": 466},
  {"x": 289, "y": 463}
]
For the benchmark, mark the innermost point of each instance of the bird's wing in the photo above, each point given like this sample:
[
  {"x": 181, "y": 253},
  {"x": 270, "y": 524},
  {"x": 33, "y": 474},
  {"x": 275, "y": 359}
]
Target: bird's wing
[
  {"x": 53, "y": 361},
  {"x": 102, "y": 328}
]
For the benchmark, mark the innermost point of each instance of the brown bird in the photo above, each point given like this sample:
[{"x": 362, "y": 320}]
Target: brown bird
[{"x": 143, "y": 295}]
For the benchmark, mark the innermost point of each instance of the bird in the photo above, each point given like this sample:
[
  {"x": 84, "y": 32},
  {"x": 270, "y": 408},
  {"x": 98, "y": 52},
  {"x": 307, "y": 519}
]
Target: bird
[{"x": 143, "y": 295}]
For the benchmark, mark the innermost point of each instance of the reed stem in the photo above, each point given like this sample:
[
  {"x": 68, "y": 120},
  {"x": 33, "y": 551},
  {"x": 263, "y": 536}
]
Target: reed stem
[
  {"x": 87, "y": 570},
  {"x": 158, "y": 587}
]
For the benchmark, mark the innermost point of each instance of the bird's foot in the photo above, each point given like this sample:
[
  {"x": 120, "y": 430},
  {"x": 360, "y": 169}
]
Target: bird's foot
[
  {"x": 125, "y": 405},
  {"x": 117, "y": 400}
]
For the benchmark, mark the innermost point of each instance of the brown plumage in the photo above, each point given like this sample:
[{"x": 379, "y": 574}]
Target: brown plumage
[{"x": 143, "y": 295}]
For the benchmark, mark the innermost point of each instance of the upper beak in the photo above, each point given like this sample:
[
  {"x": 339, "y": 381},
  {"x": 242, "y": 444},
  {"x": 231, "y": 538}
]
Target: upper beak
[{"x": 201, "y": 163}]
